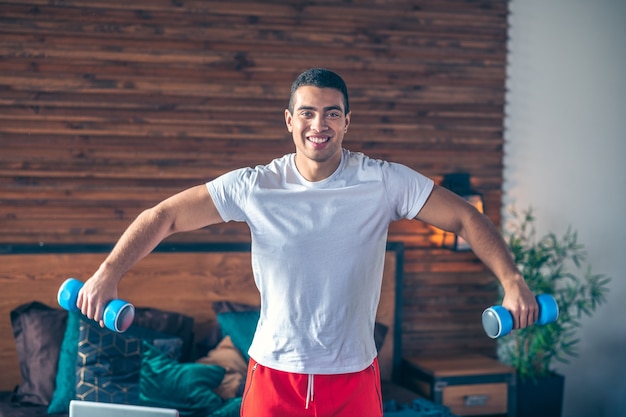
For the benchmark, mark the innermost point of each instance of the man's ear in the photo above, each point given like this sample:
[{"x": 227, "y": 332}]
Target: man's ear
[
  {"x": 345, "y": 129},
  {"x": 288, "y": 120}
]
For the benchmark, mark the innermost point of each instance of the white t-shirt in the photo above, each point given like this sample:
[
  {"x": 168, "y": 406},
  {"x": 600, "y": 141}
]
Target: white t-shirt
[{"x": 318, "y": 250}]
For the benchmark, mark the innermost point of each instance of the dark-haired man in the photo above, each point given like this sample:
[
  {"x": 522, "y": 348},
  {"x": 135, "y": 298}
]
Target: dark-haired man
[{"x": 318, "y": 219}]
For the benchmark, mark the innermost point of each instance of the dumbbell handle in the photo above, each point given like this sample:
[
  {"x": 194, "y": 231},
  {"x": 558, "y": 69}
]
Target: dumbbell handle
[
  {"x": 118, "y": 314},
  {"x": 498, "y": 321}
]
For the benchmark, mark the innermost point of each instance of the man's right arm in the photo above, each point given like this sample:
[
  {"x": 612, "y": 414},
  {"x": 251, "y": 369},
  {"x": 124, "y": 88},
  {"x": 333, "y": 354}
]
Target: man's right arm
[{"x": 188, "y": 210}]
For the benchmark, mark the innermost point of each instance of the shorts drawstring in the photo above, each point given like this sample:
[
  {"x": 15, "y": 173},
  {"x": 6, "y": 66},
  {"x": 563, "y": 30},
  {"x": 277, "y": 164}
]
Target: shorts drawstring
[{"x": 309, "y": 392}]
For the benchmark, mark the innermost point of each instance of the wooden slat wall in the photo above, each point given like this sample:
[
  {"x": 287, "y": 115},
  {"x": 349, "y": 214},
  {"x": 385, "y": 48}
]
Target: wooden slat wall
[
  {"x": 179, "y": 281},
  {"x": 107, "y": 107}
]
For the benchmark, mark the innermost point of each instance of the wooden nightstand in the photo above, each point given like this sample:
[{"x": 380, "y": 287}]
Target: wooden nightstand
[{"x": 469, "y": 385}]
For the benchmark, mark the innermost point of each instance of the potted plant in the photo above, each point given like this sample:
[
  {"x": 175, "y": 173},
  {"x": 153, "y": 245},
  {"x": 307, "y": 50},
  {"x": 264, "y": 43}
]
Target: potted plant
[{"x": 553, "y": 265}]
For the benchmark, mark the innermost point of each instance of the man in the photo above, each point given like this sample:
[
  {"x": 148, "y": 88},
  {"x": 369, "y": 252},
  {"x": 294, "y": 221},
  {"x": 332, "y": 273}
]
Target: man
[{"x": 319, "y": 220}]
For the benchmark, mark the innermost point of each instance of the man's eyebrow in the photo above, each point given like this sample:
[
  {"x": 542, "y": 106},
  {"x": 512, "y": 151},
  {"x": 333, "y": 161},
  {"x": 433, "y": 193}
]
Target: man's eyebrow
[{"x": 334, "y": 107}]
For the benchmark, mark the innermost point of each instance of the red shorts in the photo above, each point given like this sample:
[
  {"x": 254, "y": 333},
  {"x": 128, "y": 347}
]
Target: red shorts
[{"x": 272, "y": 393}]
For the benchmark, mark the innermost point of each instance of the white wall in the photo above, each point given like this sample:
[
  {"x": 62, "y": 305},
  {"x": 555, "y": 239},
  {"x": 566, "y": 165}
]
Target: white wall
[{"x": 565, "y": 155}]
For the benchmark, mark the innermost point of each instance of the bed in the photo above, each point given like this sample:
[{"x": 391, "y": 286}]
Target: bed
[{"x": 196, "y": 306}]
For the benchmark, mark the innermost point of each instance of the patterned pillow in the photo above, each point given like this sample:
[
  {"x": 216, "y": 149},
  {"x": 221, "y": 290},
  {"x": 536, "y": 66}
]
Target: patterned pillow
[
  {"x": 109, "y": 363},
  {"x": 101, "y": 368}
]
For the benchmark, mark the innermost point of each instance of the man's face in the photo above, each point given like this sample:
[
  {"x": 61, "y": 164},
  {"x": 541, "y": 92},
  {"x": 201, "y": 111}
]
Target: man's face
[{"x": 318, "y": 124}]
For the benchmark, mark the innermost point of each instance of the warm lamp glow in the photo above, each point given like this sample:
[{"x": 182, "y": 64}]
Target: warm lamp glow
[{"x": 459, "y": 183}]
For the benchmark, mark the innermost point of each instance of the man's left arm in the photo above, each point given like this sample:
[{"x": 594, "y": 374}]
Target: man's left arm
[{"x": 448, "y": 211}]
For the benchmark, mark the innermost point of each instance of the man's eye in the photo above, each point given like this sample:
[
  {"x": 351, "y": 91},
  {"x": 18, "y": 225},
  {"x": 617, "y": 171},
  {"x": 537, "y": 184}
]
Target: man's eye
[
  {"x": 306, "y": 114},
  {"x": 334, "y": 114}
]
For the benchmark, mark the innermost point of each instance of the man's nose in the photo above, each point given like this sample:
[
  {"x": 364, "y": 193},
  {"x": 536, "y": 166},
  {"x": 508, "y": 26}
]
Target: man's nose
[{"x": 319, "y": 124}]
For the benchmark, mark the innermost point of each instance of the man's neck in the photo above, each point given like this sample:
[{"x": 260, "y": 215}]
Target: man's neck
[{"x": 315, "y": 171}]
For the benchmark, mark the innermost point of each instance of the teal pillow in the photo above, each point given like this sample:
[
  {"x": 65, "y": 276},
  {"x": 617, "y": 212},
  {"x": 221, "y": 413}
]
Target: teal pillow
[
  {"x": 65, "y": 389},
  {"x": 240, "y": 326},
  {"x": 187, "y": 387},
  {"x": 96, "y": 364},
  {"x": 109, "y": 363}
]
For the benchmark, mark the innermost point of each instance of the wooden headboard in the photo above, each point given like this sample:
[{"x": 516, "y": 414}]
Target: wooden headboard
[{"x": 185, "y": 278}]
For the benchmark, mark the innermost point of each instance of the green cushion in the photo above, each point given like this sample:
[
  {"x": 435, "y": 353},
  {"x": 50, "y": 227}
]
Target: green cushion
[
  {"x": 109, "y": 363},
  {"x": 97, "y": 364},
  {"x": 187, "y": 387},
  {"x": 240, "y": 326},
  {"x": 65, "y": 389}
]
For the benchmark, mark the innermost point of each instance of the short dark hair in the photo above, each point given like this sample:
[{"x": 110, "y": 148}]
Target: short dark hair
[{"x": 321, "y": 78}]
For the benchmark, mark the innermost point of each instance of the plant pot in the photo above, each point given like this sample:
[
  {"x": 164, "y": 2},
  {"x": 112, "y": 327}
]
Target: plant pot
[{"x": 542, "y": 397}]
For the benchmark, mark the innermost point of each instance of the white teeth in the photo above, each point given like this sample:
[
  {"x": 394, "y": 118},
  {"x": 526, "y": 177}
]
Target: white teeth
[{"x": 317, "y": 140}]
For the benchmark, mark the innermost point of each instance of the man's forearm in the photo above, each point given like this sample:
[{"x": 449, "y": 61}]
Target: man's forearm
[
  {"x": 490, "y": 247},
  {"x": 488, "y": 244},
  {"x": 139, "y": 239}
]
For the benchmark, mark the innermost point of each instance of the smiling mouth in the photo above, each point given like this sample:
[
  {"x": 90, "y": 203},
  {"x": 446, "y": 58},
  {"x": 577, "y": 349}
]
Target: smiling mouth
[{"x": 318, "y": 139}]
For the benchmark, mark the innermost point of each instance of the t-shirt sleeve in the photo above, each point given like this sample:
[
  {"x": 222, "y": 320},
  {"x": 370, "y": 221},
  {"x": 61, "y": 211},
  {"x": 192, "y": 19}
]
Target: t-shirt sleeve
[
  {"x": 407, "y": 190},
  {"x": 230, "y": 192}
]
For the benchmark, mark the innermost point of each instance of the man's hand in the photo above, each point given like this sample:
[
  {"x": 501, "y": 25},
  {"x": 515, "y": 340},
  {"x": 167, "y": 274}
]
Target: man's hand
[
  {"x": 97, "y": 292},
  {"x": 521, "y": 302}
]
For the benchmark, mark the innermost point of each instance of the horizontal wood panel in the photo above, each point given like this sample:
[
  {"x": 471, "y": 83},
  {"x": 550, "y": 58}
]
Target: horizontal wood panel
[
  {"x": 108, "y": 107},
  {"x": 187, "y": 282}
]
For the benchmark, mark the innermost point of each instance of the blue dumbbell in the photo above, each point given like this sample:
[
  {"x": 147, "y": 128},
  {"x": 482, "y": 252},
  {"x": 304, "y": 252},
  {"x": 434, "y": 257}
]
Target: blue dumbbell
[
  {"x": 498, "y": 321},
  {"x": 118, "y": 314}
]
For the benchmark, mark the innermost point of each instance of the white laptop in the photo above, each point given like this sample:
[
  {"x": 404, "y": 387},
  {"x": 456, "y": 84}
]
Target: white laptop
[{"x": 94, "y": 409}]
